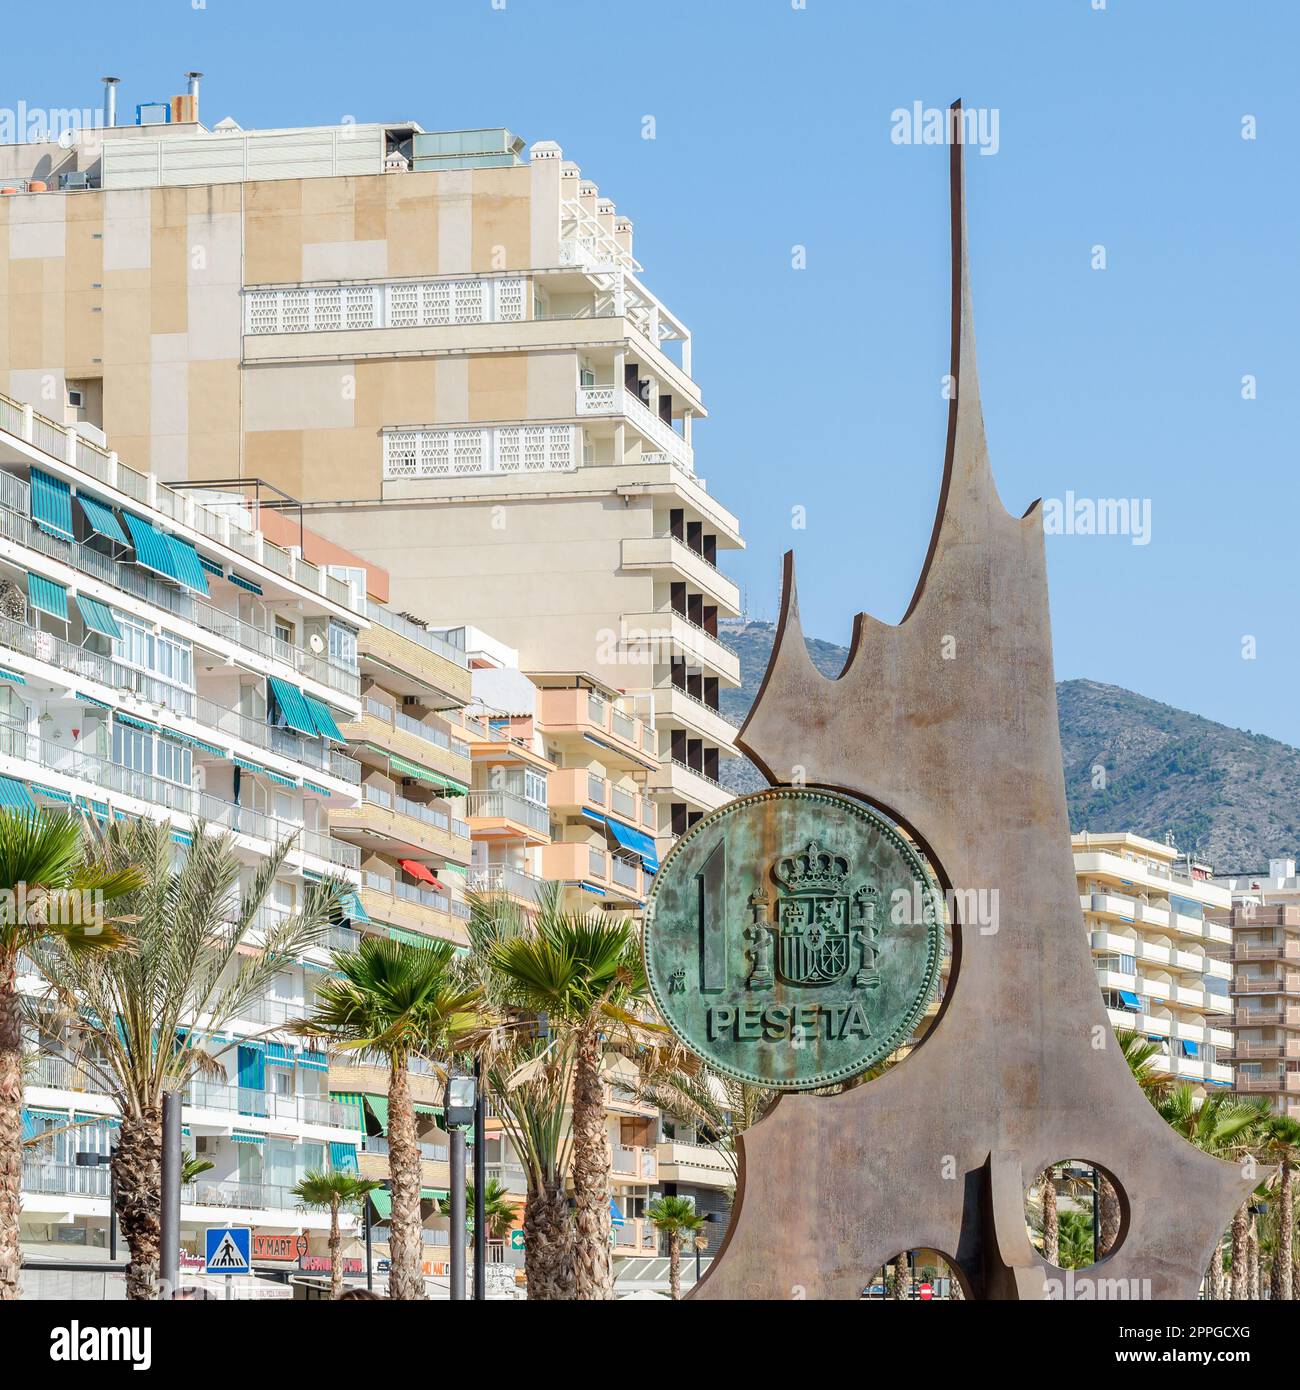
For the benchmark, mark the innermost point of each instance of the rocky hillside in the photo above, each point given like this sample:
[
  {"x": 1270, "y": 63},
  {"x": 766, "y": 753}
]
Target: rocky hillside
[{"x": 1228, "y": 796}]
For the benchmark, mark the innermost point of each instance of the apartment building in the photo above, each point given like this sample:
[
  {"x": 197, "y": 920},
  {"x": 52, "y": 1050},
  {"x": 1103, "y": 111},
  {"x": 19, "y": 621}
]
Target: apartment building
[
  {"x": 1149, "y": 912},
  {"x": 157, "y": 659},
  {"x": 1265, "y": 958},
  {"x": 441, "y": 342}
]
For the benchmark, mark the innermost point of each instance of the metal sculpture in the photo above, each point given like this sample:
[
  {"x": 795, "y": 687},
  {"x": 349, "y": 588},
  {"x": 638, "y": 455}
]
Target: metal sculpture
[{"x": 948, "y": 722}]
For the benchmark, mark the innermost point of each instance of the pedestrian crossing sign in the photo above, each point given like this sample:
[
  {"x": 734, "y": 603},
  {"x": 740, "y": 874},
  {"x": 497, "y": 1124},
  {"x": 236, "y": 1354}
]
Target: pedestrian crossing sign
[{"x": 228, "y": 1250}]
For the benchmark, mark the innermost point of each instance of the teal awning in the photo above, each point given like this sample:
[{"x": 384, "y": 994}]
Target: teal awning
[
  {"x": 244, "y": 583},
  {"x": 151, "y": 547},
  {"x": 352, "y": 906},
  {"x": 382, "y": 1201},
  {"x": 101, "y": 520},
  {"x": 324, "y": 721},
  {"x": 52, "y": 504},
  {"x": 91, "y": 701},
  {"x": 7, "y": 675},
  {"x": 280, "y": 778},
  {"x": 292, "y": 705},
  {"x": 52, "y": 792},
  {"x": 241, "y": 1137},
  {"x": 212, "y": 567},
  {"x": 136, "y": 723},
  {"x": 14, "y": 795},
  {"x": 47, "y": 596},
  {"x": 186, "y": 559},
  {"x": 314, "y": 1061},
  {"x": 98, "y": 617}
]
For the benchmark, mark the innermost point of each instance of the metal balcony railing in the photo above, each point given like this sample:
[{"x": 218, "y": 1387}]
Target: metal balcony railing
[{"x": 508, "y": 806}]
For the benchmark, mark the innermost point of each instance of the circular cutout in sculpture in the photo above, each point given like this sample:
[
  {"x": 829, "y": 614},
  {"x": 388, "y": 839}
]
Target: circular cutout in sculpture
[
  {"x": 1075, "y": 1213},
  {"x": 794, "y": 938}
]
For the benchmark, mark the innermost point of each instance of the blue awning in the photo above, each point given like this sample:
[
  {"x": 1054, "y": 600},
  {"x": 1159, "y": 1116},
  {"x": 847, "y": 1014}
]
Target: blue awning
[
  {"x": 1131, "y": 1000},
  {"x": 186, "y": 560},
  {"x": 314, "y": 1061},
  {"x": 241, "y": 1137},
  {"x": 151, "y": 547},
  {"x": 323, "y": 719},
  {"x": 101, "y": 520},
  {"x": 47, "y": 596},
  {"x": 98, "y": 617},
  {"x": 244, "y": 583},
  {"x": 1190, "y": 1049},
  {"x": 292, "y": 706},
  {"x": 615, "y": 1214},
  {"x": 212, "y": 567},
  {"x": 52, "y": 504},
  {"x": 591, "y": 888},
  {"x": 639, "y": 843},
  {"x": 352, "y": 906},
  {"x": 14, "y": 795}
]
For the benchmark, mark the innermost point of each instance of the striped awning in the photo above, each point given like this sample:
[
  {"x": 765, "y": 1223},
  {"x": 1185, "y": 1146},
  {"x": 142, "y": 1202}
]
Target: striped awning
[
  {"x": 314, "y": 1061},
  {"x": 382, "y": 1201},
  {"x": 136, "y": 723},
  {"x": 322, "y": 719},
  {"x": 52, "y": 504},
  {"x": 14, "y": 795},
  {"x": 427, "y": 775},
  {"x": 352, "y": 906},
  {"x": 379, "y": 1109},
  {"x": 306, "y": 785},
  {"x": 101, "y": 520},
  {"x": 212, "y": 567},
  {"x": 47, "y": 596},
  {"x": 98, "y": 616},
  {"x": 279, "y": 1054},
  {"x": 90, "y": 700},
  {"x": 186, "y": 562},
  {"x": 52, "y": 793},
  {"x": 343, "y": 1157},
  {"x": 7, "y": 675},
  {"x": 244, "y": 583},
  {"x": 245, "y": 1137},
  {"x": 292, "y": 705},
  {"x": 151, "y": 548}
]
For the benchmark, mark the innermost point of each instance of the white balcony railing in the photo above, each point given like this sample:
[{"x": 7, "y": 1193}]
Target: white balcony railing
[
  {"x": 402, "y": 304},
  {"x": 462, "y": 453},
  {"x": 618, "y": 400}
]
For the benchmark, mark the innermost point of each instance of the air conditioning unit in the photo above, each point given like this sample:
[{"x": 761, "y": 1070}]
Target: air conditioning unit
[{"x": 74, "y": 178}]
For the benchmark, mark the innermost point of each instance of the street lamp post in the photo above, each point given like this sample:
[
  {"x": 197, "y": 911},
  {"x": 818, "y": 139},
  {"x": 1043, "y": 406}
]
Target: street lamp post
[
  {"x": 480, "y": 1185},
  {"x": 458, "y": 1112},
  {"x": 169, "y": 1257}
]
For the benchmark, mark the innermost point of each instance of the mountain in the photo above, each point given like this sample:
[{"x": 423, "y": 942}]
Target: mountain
[{"x": 1226, "y": 796}]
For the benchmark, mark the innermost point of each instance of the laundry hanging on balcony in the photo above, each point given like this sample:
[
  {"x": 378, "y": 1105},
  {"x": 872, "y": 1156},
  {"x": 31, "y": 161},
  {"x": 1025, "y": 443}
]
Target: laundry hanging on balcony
[
  {"x": 101, "y": 520},
  {"x": 47, "y": 596},
  {"x": 52, "y": 505}
]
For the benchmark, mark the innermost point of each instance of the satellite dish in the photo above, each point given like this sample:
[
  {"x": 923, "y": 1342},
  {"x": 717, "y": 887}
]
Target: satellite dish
[{"x": 316, "y": 642}]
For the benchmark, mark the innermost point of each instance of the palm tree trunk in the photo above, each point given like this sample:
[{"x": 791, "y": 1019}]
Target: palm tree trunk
[
  {"x": 406, "y": 1253},
  {"x": 1240, "y": 1254},
  {"x": 591, "y": 1166},
  {"x": 336, "y": 1251},
  {"x": 1252, "y": 1260},
  {"x": 548, "y": 1243},
  {"x": 137, "y": 1172},
  {"x": 674, "y": 1265},
  {"x": 1214, "y": 1275},
  {"x": 1110, "y": 1214},
  {"x": 1051, "y": 1220},
  {"x": 1283, "y": 1257},
  {"x": 11, "y": 1123}
]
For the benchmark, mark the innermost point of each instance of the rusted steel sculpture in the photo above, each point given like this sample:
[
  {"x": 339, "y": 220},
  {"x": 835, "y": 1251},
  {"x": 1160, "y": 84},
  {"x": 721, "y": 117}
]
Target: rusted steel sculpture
[{"x": 948, "y": 723}]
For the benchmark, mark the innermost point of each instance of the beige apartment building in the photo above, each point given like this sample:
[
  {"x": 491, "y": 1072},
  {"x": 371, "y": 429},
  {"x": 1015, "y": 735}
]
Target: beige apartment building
[{"x": 441, "y": 343}]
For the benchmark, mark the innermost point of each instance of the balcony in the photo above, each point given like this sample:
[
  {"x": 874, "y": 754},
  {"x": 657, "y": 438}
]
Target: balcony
[
  {"x": 580, "y": 863},
  {"x": 411, "y": 908},
  {"x": 526, "y": 888},
  {"x": 671, "y": 557},
  {"x": 1264, "y": 1018},
  {"x": 635, "y": 1164},
  {"x": 677, "y": 707},
  {"x": 680, "y": 782},
  {"x": 63, "y": 1179},
  {"x": 664, "y": 636},
  {"x": 236, "y": 1102},
  {"x": 398, "y": 735},
  {"x": 585, "y": 712},
  {"x": 367, "y": 1073},
  {"x": 393, "y": 825},
  {"x": 1288, "y": 951},
  {"x": 700, "y": 1165},
  {"x": 503, "y": 815},
  {"x": 578, "y": 789},
  {"x": 619, "y": 401},
  {"x": 636, "y": 1236}
]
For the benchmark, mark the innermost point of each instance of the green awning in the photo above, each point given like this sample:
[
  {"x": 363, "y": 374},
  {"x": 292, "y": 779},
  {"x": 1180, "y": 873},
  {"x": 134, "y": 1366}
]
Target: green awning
[
  {"x": 292, "y": 705},
  {"x": 135, "y": 723},
  {"x": 47, "y": 596},
  {"x": 434, "y": 1194},
  {"x": 186, "y": 561},
  {"x": 382, "y": 1201},
  {"x": 353, "y": 906},
  {"x": 379, "y": 1109},
  {"x": 98, "y": 617},
  {"x": 101, "y": 520},
  {"x": 423, "y": 774},
  {"x": 151, "y": 548},
  {"x": 53, "y": 793},
  {"x": 434, "y": 1110},
  {"x": 52, "y": 504},
  {"x": 323, "y": 719},
  {"x": 244, "y": 583}
]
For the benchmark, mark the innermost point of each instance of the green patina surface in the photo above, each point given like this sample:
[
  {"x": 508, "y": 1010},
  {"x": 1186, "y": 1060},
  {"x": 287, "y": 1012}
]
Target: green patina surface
[{"x": 793, "y": 938}]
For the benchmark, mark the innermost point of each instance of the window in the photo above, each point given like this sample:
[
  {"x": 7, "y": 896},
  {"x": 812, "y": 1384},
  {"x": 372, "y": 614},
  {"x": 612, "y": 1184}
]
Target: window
[
  {"x": 173, "y": 762},
  {"x": 343, "y": 646},
  {"x": 170, "y": 658},
  {"x": 535, "y": 787},
  {"x": 132, "y": 748},
  {"x": 284, "y": 632},
  {"x": 76, "y": 399},
  {"x": 354, "y": 576}
]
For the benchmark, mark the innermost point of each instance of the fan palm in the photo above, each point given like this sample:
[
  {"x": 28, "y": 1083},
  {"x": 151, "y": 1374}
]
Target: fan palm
[
  {"x": 45, "y": 880},
  {"x": 675, "y": 1217},
  {"x": 498, "y": 1210},
  {"x": 128, "y": 1016},
  {"x": 719, "y": 1107},
  {"x": 1076, "y": 1244},
  {"x": 400, "y": 1001},
  {"x": 332, "y": 1192},
  {"x": 192, "y": 1166},
  {"x": 583, "y": 971}
]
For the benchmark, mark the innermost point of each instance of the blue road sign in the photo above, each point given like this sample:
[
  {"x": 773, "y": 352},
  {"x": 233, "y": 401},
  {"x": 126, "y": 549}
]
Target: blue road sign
[{"x": 228, "y": 1250}]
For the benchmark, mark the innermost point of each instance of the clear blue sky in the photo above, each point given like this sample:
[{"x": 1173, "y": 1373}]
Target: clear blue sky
[{"x": 1119, "y": 127}]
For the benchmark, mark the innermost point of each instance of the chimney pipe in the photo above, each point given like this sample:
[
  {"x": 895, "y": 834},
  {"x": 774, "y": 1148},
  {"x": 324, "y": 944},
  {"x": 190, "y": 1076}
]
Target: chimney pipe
[
  {"x": 110, "y": 100},
  {"x": 193, "y": 79}
]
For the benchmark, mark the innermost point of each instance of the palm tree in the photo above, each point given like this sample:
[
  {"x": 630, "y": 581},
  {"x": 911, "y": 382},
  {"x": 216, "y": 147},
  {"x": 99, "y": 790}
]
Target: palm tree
[
  {"x": 332, "y": 1192},
  {"x": 192, "y": 1166},
  {"x": 498, "y": 1210},
  {"x": 1282, "y": 1143},
  {"x": 583, "y": 971},
  {"x": 44, "y": 881},
  {"x": 525, "y": 1072},
  {"x": 675, "y": 1217},
  {"x": 128, "y": 1016},
  {"x": 400, "y": 1001},
  {"x": 719, "y": 1107},
  {"x": 1076, "y": 1245},
  {"x": 1051, "y": 1217}
]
